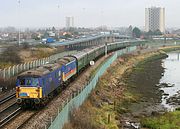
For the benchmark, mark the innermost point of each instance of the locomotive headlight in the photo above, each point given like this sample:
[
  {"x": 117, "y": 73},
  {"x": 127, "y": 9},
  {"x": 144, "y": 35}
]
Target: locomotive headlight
[
  {"x": 18, "y": 89},
  {"x": 38, "y": 89}
]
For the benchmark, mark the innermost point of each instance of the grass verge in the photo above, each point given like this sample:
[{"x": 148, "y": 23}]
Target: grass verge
[{"x": 170, "y": 120}]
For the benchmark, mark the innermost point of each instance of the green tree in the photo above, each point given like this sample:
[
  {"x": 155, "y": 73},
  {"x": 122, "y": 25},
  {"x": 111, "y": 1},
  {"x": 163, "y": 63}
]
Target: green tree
[
  {"x": 136, "y": 32},
  {"x": 68, "y": 36},
  {"x": 157, "y": 32},
  {"x": 53, "y": 29}
]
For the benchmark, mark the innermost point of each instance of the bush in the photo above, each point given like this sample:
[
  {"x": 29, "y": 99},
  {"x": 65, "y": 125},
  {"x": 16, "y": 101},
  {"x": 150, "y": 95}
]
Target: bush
[
  {"x": 25, "y": 46},
  {"x": 10, "y": 55},
  {"x": 169, "y": 120},
  {"x": 80, "y": 120}
]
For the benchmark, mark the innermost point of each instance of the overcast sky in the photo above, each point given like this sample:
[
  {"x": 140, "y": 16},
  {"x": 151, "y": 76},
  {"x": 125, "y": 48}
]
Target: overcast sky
[{"x": 86, "y": 13}]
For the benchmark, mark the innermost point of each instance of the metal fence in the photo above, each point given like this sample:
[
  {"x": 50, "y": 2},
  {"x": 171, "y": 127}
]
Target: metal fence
[
  {"x": 159, "y": 43},
  {"x": 16, "y": 69},
  {"x": 77, "y": 98}
]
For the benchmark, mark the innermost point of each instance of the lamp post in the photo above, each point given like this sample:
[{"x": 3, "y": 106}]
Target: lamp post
[
  {"x": 19, "y": 33},
  {"x": 58, "y": 23}
]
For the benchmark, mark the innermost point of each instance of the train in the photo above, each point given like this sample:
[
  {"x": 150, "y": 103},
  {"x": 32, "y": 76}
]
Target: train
[{"x": 36, "y": 86}]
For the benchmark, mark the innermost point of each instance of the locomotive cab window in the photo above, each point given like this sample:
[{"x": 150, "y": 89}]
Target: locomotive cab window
[
  {"x": 22, "y": 81},
  {"x": 35, "y": 82},
  {"x": 29, "y": 82}
]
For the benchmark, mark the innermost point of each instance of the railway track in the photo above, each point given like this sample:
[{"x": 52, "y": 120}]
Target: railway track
[
  {"x": 31, "y": 114},
  {"x": 9, "y": 113},
  {"x": 7, "y": 98}
]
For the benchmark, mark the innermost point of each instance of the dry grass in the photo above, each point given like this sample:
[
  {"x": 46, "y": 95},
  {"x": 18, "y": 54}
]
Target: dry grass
[{"x": 109, "y": 97}]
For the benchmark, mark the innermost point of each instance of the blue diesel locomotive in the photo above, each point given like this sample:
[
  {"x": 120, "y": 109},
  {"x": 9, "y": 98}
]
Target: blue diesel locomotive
[{"x": 36, "y": 86}]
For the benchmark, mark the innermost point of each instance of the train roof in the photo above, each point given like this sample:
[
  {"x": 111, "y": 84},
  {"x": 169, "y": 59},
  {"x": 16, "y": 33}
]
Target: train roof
[
  {"x": 65, "y": 60},
  {"x": 80, "y": 54},
  {"x": 86, "y": 51},
  {"x": 42, "y": 70}
]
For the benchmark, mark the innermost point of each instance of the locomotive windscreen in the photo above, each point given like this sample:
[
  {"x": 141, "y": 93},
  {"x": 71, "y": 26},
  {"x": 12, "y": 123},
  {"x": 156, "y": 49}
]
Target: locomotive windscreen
[{"x": 28, "y": 82}]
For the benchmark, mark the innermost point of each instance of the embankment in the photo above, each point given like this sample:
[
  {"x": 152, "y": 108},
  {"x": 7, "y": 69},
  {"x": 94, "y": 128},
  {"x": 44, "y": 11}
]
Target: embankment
[{"x": 109, "y": 104}]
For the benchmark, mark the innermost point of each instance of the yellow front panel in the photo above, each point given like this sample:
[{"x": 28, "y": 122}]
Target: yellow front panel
[{"x": 29, "y": 92}]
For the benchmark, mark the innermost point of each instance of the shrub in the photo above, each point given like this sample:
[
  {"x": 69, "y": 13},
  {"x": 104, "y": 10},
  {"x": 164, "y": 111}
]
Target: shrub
[
  {"x": 80, "y": 120},
  {"x": 10, "y": 55}
]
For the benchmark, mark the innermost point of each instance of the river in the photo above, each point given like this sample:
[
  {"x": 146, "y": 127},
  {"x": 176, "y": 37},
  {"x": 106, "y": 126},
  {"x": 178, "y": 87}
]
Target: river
[{"x": 170, "y": 81}]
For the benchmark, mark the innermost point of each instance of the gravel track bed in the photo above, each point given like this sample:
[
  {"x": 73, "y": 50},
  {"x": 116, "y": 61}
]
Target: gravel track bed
[
  {"x": 19, "y": 120},
  {"x": 4, "y": 105},
  {"x": 4, "y": 94},
  {"x": 8, "y": 111},
  {"x": 43, "y": 117}
]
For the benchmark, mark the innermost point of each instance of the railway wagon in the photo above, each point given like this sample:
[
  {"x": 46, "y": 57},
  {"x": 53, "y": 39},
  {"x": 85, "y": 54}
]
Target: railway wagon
[
  {"x": 95, "y": 53},
  {"x": 81, "y": 60},
  {"x": 122, "y": 45},
  {"x": 91, "y": 55},
  {"x": 84, "y": 57},
  {"x": 99, "y": 51}
]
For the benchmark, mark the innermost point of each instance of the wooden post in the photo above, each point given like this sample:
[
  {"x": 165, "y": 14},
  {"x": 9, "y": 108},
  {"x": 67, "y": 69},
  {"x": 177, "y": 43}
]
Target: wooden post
[
  {"x": 109, "y": 118},
  {"x": 114, "y": 105}
]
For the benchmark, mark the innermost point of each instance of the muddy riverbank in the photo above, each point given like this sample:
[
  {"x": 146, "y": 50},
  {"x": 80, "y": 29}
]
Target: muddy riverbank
[
  {"x": 141, "y": 81},
  {"x": 116, "y": 99}
]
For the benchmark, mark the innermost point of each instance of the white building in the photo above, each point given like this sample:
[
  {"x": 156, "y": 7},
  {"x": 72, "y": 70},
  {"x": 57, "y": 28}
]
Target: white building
[
  {"x": 155, "y": 19},
  {"x": 69, "y": 22}
]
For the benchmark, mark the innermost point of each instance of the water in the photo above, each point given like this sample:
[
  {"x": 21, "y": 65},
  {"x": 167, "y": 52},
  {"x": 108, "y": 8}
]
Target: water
[{"x": 171, "y": 78}]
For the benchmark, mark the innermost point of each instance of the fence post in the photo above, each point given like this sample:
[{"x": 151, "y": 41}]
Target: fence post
[
  {"x": 13, "y": 70},
  {"x": 4, "y": 73},
  {"x": 43, "y": 61},
  {"x": 9, "y": 72},
  {"x": 1, "y": 73},
  {"x": 21, "y": 67},
  {"x": 17, "y": 69},
  {"x": 62, "y": 105},
  {"x": 28, "y": 65},
  {"x": 109, "y": 118},
  {"x": 51, "y": 120},
  {"x": 39, "y": 62},
  {"x": 25, "y": 67},
  {"x": 34, "y": 64}
]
